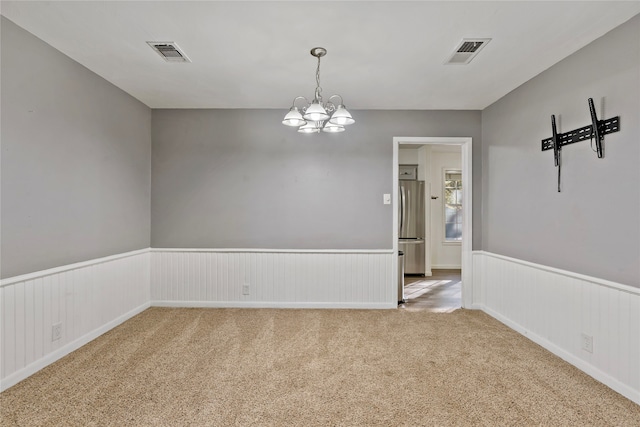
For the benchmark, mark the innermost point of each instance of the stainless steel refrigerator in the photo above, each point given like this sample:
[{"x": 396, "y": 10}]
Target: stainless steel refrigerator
[{"x": 411, "y": 226}]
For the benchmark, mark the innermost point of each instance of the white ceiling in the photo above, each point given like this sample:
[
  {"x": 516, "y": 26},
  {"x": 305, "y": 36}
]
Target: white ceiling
[{"x": 381, "y": 55}]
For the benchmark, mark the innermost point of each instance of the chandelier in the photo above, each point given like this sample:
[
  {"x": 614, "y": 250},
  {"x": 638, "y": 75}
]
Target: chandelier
[{"x": 315, "y": 116}]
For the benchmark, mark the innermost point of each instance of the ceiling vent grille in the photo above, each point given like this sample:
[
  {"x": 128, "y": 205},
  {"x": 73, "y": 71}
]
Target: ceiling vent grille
[
  {"x": 466, "y": 51},
  {"x": 169, "y": 51}
]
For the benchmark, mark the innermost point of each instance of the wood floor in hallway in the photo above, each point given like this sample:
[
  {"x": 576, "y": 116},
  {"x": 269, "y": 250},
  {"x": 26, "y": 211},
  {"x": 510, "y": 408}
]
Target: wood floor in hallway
[{"x": 439, "y": 293}]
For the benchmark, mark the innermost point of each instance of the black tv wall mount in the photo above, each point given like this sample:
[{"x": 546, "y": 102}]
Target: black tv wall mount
[{"x": 595, "y": 131}]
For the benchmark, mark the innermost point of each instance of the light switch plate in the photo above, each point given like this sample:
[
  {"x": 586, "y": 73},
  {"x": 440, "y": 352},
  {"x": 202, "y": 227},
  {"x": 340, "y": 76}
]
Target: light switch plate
[{"x": 386, "y": 199}]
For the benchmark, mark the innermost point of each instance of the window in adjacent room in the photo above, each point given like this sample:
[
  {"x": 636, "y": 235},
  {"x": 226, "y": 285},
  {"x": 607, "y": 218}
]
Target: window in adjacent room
[{"x": 453, "y": 205}]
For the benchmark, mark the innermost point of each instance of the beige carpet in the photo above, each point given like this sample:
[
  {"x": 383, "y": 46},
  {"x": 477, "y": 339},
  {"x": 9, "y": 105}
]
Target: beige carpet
[{"x": 235, "y": 367}]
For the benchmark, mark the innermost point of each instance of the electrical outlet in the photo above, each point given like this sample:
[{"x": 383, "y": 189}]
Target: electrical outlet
[
  {"x": 587, "y": 343},
  {"x": 245, "y": 289},
  {"x": 56, "y": 331}
]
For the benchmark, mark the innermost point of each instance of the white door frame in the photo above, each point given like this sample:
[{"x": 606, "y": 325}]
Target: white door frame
[{"x": 467, "y": 206}]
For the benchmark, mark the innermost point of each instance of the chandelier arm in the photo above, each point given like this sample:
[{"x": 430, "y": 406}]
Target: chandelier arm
[
  {"x": 334, "y": 96},
  {"x": 300, "y": 97}
]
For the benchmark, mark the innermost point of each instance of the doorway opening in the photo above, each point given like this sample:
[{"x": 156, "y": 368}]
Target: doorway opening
[{"x": 443, "y": 281}]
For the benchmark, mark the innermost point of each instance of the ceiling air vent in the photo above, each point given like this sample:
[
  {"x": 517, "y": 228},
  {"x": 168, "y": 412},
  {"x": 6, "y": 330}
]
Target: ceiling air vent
[
  {"x": 467, "y": 50},
  {"x": 169, "y": 51}
]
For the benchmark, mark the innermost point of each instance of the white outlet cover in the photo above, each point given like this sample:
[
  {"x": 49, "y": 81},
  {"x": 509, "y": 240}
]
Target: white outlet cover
[
  {"x": 56, "y": 332},
  {"x": 386, "y": 199},
  {"x": 587, "y": 343}
]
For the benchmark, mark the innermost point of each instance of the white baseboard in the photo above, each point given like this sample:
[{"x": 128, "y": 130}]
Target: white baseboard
[
  {"x": 446, "y": 267},
  {"x": 50, "y": 358},
  {"x": 267, "y": 304},
  {"x": 581, "y": 364},
  {"x": 555, "y": 307}
]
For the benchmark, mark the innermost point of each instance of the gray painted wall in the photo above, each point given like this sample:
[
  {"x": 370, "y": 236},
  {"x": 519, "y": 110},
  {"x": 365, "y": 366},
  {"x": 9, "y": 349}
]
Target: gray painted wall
[
  {"x": 593, "y": 226},
  {"x": 75, "y": 160},
  {"x": 240, "y": 179}
]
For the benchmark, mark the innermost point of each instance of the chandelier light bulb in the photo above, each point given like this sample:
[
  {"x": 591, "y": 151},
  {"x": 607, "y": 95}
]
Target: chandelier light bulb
[
  {"x": 333, "y": 128},
  {"x": 293, "y": 118},
  {"x": 316, "y": 112},
  {"x": 341, "y": 117}
]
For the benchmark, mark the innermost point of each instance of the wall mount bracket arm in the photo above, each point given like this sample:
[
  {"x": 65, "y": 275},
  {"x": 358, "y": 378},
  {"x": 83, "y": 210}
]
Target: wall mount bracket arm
[
  {"x": 557, "y": 148},
  {"x": 596, "y": 130}
]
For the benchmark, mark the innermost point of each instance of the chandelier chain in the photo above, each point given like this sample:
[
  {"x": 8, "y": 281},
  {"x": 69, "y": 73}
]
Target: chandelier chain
[{"x": 318, "y": 88}]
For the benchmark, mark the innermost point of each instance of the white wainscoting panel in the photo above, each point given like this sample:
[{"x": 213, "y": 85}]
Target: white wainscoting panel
[
  {"x": 554, "y": 308},
  {"x": 88, "y": 298},
  {"x": 275, "y": 278}
]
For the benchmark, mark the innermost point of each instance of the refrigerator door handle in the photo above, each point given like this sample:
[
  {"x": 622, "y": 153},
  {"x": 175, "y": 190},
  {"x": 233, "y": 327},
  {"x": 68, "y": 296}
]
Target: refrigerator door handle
[{"x": 401, "y": 209}]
